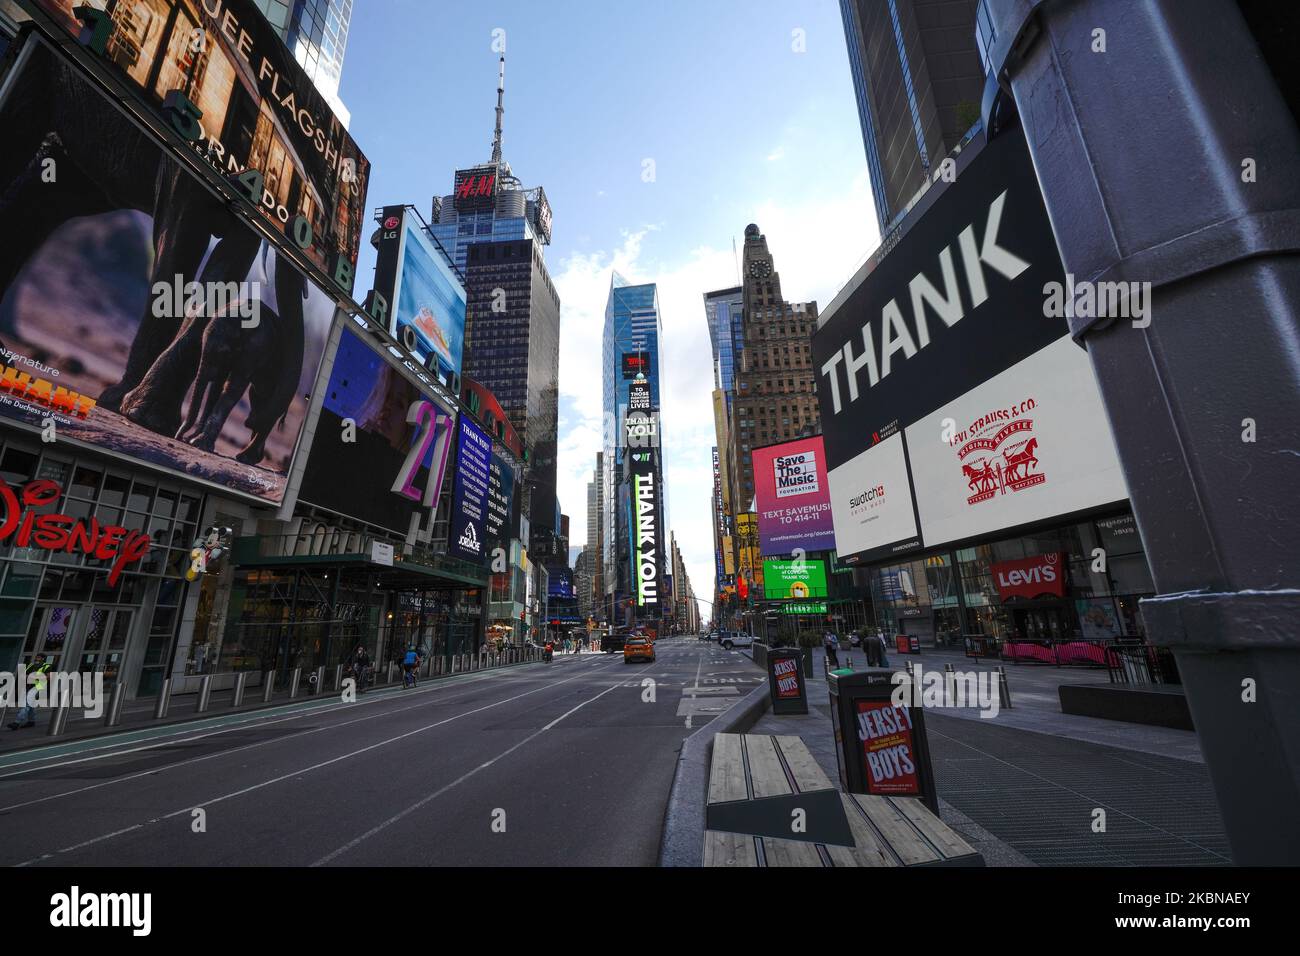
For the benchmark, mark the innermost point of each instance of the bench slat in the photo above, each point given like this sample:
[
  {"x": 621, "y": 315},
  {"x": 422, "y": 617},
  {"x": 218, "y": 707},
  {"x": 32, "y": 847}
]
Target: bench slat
[
  {"x": 729, "y": 849},
  {"x": 727, "y": 775},
  {"x": 893, "y": 826},
  {"x": 940, "y": 834},
  {"x": 791, "y": 853},
  {"x": 807, "y": 772},
  {"x": 867, "y": 850},
  {"x": 766, "y": 774}
]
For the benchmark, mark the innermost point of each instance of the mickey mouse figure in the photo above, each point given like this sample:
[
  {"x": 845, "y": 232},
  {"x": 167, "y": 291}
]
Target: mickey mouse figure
[{"x": 209, "y": 548}]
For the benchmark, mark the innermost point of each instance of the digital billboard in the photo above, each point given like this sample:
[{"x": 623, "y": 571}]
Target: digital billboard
[
  {"x": 646, "y": 529},
  {"x": 467, "y": 533},
  {"x": 793, "y": 497},
  {"x": 640, "y": 424},
  {"x": 138, "y": 315},
  {"x": 381, "y": 445},
  {"x": 229, "y": 86},
  {"x": 475, "y": 189},
  {"x": 636, "y": 363},
  {"x": 500, "y": 520},
  {"x": 429, "y": 299},
  {"x": 784, "y": 580},
  {"x": 953, "y": 404}
]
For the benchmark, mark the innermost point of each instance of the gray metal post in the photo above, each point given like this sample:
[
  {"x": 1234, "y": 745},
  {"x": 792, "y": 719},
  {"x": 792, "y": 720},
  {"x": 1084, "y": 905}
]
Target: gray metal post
[
  {"x": 1190, "y": 186},
  {"x": 389, "y": 680},
  {"x": 338, "y": 677},
  {"x": 241, "y": 681},
  {"x": 205, "y": 694},
  {"x": 164, "y": 700},
  {"x": 113, "y": 715},
  {"x": 59, "y": 717},
  {"x": 268, "y": 686},
  {"x": 294, "y": 678},
  {"x": 320, "y": 680},
  {"x": 1004, "y": 689}
]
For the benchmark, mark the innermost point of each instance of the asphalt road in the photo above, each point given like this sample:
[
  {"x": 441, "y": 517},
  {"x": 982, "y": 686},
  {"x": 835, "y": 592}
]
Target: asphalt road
[{"x": 568, "y": 763}]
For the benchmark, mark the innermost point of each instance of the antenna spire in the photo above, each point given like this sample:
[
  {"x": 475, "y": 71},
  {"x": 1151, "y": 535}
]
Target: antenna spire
[{"x": 501, "y": 97}]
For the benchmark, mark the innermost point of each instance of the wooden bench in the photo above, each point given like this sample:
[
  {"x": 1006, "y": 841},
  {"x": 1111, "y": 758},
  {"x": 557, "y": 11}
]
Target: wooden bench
[{"x": 758, "y": 784}]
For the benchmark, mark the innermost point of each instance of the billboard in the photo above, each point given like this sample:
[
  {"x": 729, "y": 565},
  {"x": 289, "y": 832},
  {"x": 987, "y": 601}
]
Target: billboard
[
  {"x": 499, "y": 525},
  {"x": 427, "y": 309},
  {"x": 108, "y": 338},
  {"x": 475, "y": 189},
  {"x": 794, "y": 579},
  {"x": 243, "y": 103},
  {"x": 953, "y": 404},
  {"x": 636, "y": 363},
  {"x": 387, "y": 467},
  {"x": 467, "y": 535},
  {"x": 646, "y": 528},
  {"x": 640, "y": 424},
  {"x": 793, "y": 497}
]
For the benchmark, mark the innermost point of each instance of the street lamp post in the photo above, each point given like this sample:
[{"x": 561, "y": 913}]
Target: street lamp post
[{"x": 1167, "y": 154}]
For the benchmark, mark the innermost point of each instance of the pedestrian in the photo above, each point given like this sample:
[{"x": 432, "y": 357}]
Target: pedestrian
[
  {"x": 26, "y": 716},
  {"x": 884, "y": 648},
  {"x": 832, "y": 645}
]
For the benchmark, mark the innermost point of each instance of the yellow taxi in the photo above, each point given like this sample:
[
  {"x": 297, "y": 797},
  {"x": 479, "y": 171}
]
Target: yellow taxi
[{"x": 638, "y": 647}]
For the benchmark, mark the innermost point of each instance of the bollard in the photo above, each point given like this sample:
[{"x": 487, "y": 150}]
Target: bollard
[
  {"x": 391, "y": 665},
  {"x": 4, "y": 712},
  {"x": 268, "y": 686},
  {"x": 294, "y": 678},
  {"x": 948, "y": 668},
  {"x": 318, "y": 680},
  {"x": 241, "y": 681},
  {"x": 338, "y": 677},
  {"x": 59, "y": 719},
  {"x": 205, "y": 694},
  {"x": 1004, "y": 689},
  {"x": 113, "y": 716},
  {"x": 164, "y": 700},
  {"x": 428, "y": 667}
]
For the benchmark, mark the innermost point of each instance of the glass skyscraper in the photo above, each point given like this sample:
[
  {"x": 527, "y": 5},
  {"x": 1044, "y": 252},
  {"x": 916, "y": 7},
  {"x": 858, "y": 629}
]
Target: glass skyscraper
[
  {"x": 723, "y": 309},
  {"x": 317, "y": 33},
  {"x": 633, "y": 328}
]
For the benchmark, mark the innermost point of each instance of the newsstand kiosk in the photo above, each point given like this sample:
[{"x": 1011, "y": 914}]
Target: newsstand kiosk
[{"x": 881, "y": 748}]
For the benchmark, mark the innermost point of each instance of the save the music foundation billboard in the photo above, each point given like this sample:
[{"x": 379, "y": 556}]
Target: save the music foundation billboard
[{"x": 953, "y": 402}]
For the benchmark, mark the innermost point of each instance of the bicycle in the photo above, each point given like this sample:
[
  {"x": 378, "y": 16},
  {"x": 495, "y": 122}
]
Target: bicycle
[{"x": 408, "y": 675}]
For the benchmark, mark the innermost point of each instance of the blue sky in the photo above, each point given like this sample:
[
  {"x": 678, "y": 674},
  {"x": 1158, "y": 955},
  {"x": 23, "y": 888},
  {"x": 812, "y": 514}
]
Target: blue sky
[{"x": 745, "y": 108}]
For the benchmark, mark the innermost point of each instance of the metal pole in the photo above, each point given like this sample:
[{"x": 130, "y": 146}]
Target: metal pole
[
  {"x": 241, "y": 681},
  {"x": 59, "y": 718},
  {"x": 1004, "y": 689},
  {"x": 294, "y": 678},
  {"x": 1204, "y": 404},
  {"x": 389, "y": 679},
  {"x": 113, "y": 716},
  {"x": 338, "y": 677},
  {"x": 164, "y": 700},
  {"x": 319, "y": 682},
  {"x": 268, "y": 686},
  {"x": 205, "y": 694}
]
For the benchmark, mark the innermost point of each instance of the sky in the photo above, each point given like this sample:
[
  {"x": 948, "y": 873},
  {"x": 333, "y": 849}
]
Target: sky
[{"x": 659, "y": 131}]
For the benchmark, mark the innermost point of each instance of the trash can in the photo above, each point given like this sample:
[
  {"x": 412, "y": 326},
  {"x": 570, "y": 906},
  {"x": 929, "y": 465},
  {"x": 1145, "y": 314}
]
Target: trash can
[
  {"x": 785, "y": 680},
  {"x": 881, "y": 748}
]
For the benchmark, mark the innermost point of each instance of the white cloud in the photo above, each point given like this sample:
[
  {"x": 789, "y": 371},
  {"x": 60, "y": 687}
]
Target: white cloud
[
  {"x": 816, "y": 244},
  {"x": 776, "y": 154}
]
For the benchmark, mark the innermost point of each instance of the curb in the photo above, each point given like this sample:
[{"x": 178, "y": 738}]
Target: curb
[{"x": 682, "y": 841}]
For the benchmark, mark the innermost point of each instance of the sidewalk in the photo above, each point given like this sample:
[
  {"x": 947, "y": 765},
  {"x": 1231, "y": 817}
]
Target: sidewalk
[
  {"x": 138, "y": 714},
  {"x": 1023, "y": 787}
]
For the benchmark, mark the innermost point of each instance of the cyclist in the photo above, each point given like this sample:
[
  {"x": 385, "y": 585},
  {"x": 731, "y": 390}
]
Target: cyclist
[
  {"x": 360, "y": 665},
  {"x": 409, "y": 664}
]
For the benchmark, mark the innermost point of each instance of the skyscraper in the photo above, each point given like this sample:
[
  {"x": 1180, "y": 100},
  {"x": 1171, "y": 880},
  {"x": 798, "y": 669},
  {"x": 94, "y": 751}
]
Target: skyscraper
[
  {"x": 630, "y": 361},
  {"x": 487, "y": 203},
  {"x": 774, "y": 398},
  {"x": 723, "y": 311},
  {"x": 512, "y": 345},
  {"x": 317, "y": 33},
  {"x": 494, "y": 231},
  {"x": 918, "y": 79}
]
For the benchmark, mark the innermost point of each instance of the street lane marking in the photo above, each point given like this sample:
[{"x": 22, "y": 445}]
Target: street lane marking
[
  {"x": 352, "y": 844},
  {"x": 324, "y": 763}
]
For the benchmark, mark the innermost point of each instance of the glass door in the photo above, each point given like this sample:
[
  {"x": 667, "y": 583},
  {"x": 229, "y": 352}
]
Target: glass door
[
  {"x": 49, "y": 633},
  {"x": 103, "y": 648}
]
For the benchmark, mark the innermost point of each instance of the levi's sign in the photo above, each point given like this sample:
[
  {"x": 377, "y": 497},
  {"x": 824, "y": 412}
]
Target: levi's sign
[{"x": 1030, "y": 577}]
